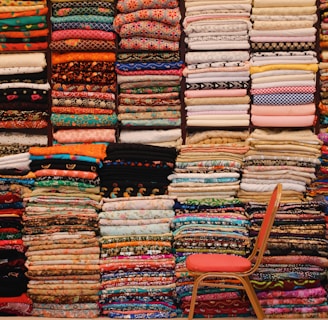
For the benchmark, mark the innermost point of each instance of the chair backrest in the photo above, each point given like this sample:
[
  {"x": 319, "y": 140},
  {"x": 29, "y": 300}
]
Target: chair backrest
[{"x": 266, "y": 226}]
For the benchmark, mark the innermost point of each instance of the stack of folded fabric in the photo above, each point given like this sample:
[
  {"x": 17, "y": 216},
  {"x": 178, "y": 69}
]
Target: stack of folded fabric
[
  {"x": 216, "y": 89},
  {"x": 83, "y": 89},
  {"x": 23, "y": 25},
  {"x": 280, "y": 25},
  {"x": 217, "y": 24},
  {"x": 283, "y": 88},
  {"x": 148, "y": 25},
  {"x": 209, "y": 165},
  {"x": 209, "y": 218},
  {"x": 290, "y": 282},
  {"x": 150, "y": 72},
  {"x": 82, "y": 26},
  {"x": 323, "y": 65},
  {"x": 16, "y": 182},
  {"x": 282, "y": 156},
  {"x": 283, "y": 63},
  {"x": 210, "y": 225},
  {"x": 137, "y": 264},
  {"x": 60, "y": 230},
  {"x": 132, "y": 169},
  {"x": 318, "y": 188},
  {"x": 83, "y": 75},
  {"x": 24, "y": 91},
  {"x": 217, "y": 63}
]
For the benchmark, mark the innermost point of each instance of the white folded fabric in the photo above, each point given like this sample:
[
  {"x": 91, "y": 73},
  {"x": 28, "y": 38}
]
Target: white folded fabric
[{"x": 33, "y": 59}]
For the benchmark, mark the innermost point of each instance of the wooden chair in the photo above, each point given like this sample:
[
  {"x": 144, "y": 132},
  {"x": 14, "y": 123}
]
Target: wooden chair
[{"x": 234, "y": 271}]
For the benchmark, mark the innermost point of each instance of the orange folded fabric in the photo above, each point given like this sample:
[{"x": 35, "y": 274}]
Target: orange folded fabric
[
  {"x": 28, "y": 13},
  {"x": 91, "y": 150},
  {"x": 82, "y": 56}
]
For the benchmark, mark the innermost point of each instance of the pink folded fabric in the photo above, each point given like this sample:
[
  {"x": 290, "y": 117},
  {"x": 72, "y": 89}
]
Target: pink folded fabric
[
  {"x": 284, "y": 110},
  {"x": 283, "y": 39},
  {"x": 284, "y": 89},
  {"x": 82, "y": 34},
  {"x": 283, "y": 121},
  {"x": 84, "y": 135},
  {"x": 216, "y": 93}
]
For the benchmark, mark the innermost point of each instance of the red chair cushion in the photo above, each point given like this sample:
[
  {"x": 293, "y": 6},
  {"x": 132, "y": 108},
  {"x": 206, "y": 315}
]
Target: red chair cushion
[{"x": 217, "y": 263}]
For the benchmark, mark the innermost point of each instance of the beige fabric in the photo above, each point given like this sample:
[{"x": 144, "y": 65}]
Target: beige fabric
[
  {"x": 281, "y": 25},
  {"x": 283, "y": 3}
]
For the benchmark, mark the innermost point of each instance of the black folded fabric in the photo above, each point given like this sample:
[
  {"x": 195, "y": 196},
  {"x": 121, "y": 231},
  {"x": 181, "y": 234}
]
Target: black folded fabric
[{"x": 140, "y": 152}]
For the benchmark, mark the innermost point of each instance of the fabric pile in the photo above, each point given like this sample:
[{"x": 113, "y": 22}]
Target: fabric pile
[
  {"x": 323, "y": 65},
  {"x": 132, "y": 169},
  {"x": 208, "y": 217},
  {"x": 60, "y": 228},
  {"x": 24, "y": 91},
  {"x": 283, "y": 88},
  {"x": 149, "y": 66},
  {"x": 209, "y": 165},
  {"x": 137, "y": 264},
  {"x": 216, "y": 89},
  {"x": 318, "y": 187},
  {"x": 217, "y": 63},
  {"x": 82, "y": 26},
  {"x": 83, "y": 89},
  {"x": 280, "y": 25},
  {"x": 279, "y": 155},
  {"x": 23, "y": 25},
  {"x": 290, "y": 282},
  {"x": 217, "y": 24},
  {"x": 83, "y": 76},
  {"x": 283, "y": 63},
  {"x": 210, "y": 225},
  {"x": 16, "y": 182}
]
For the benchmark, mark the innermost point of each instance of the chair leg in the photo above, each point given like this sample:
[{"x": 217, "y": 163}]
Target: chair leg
[
  {"x": 193, "y": 299},
  {"x": 253, "y": 298}
]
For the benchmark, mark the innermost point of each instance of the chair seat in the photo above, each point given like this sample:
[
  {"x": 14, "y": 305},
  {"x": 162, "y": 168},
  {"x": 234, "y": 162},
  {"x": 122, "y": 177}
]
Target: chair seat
[{"x": 217, "y": 263}]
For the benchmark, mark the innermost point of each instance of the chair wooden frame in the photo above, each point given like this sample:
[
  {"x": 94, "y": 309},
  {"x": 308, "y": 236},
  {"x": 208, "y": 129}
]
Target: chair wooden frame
[{"x": 243, "y": 281}]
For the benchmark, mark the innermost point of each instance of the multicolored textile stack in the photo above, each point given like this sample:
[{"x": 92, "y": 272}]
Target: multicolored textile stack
[
  {"x": 83, "y": 76},
  {"x": 82, "y": 26},
  {"x": 132, "y": 169},
  {"x": 209, "y": 165},
  {"x": 60, "y": 230},
  {"x": 323, "y": 65},
  {"x": 24, "y": 91},
  {"x": 137, "y": 264},
  {"x": 217, "y": 63},
  {"x": 149, "y": 78},
  {"x": 318, "y": 187},
  {"x": 290, "y": 282},
  {"x": 208, "y": 216},
  {"x": 283, "y": 63},
  {"x": 279, "y": 155},
  {"x": 283, "y": 88},
  {"x": 16, "y": 182},
  {"x": 83, "y": 89},
  {"x": 210, "y": 225},
  {"x": 23, "y": 25}
]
